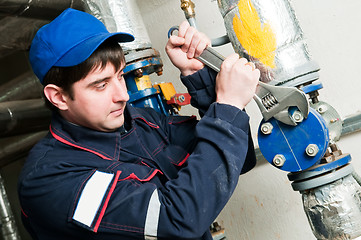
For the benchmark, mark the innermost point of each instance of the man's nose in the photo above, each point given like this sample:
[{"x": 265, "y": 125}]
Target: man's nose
[{"x": 120, "y": 91}]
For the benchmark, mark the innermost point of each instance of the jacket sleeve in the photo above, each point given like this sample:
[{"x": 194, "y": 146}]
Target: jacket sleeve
[
  {"x": 201, "y": 87},
  {"x": 195, "y": 198},
  {"x": 184, "y": 207}
]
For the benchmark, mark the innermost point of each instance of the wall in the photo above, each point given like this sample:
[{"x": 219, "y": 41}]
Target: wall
[{"x": 264, "y": 206}]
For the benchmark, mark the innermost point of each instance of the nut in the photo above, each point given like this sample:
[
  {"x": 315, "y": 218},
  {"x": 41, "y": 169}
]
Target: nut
[
  {"x": 266, "y": 128},
  {"x": 297, "y": 116},
  {"x": 279, "y": 160},
  {"x": 312, "y": 150}
]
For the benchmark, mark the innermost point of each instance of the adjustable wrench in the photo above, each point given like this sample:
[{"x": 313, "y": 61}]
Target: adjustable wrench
[{"x": 273, "y": 101}]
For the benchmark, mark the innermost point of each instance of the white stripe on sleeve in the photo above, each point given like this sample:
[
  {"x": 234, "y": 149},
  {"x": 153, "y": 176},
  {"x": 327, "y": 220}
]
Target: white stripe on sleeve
[
  {"x": 92, "y": 197},
  {"x": 152, "y": 218}
]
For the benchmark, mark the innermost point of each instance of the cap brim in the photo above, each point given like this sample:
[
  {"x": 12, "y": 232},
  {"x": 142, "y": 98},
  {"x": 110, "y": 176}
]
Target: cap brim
[{"x": 83, "y": 50}]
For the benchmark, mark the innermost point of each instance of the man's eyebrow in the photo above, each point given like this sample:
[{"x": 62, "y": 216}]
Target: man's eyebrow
[{"x": 97, "y": 82}]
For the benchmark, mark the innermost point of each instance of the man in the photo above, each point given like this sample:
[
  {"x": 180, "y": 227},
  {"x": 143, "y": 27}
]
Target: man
[{"x": 107, "y": 170}]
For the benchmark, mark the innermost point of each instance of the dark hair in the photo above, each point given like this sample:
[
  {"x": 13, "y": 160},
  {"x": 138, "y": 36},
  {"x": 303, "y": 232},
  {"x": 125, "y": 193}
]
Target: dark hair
[{"x": 64, "y": 77}]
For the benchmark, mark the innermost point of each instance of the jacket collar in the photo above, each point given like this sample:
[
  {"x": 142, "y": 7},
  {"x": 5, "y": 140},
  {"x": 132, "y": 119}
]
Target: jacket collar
[{"x": 104, "y": 144}]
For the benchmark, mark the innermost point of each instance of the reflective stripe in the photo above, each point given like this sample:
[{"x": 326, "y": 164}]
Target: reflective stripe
[
  {"x": 92, "y": 197},
  {"x": 152, "y": 219}
]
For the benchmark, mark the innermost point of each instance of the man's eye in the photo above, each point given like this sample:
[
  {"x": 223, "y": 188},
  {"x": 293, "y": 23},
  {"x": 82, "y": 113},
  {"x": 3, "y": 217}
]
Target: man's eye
[
  {"x": 121, "y": 76},
  {"x": 101, "y": 85}
]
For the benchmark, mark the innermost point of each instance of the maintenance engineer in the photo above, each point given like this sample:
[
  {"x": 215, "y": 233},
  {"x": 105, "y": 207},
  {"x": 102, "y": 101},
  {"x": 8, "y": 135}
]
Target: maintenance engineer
[{"x": 107, "y": 170}]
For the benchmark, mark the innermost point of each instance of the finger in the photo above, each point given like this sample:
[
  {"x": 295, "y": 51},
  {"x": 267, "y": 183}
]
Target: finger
[
  {"x": 203, "y": 43},
  {"x": 183, "y": 27},
  {"x": 188, "y": 38},
  {"x": 251, "y": 64},
  {"x": 243, "y": 61},
  {"x": 196, "y": 39},
  {"x": 229, "y": 62}
]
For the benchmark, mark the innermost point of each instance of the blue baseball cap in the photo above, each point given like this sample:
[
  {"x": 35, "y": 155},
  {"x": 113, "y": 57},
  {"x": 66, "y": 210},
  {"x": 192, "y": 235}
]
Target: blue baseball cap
[{"x": 68, "y": 41}]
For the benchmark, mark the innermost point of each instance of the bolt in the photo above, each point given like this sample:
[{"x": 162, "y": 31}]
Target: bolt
[
  {"x": 159, "y": 71},
  {"x": 297, "y": 116},
  {"x": 312, "y": 150},
  {"x": 279, "y": 160},
  {"x": 138, "y": 73},
  {"x": 266, "y": 128}
]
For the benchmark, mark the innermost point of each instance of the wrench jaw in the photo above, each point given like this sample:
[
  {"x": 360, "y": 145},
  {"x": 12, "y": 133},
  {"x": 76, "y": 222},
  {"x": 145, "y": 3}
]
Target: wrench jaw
[
  {"x": 284, "y": 117},
  {"x": 278, "y": 102}
]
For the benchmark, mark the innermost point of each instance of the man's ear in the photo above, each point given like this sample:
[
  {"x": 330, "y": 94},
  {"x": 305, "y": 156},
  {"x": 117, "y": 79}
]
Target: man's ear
[{"x": 56, "y": 96}]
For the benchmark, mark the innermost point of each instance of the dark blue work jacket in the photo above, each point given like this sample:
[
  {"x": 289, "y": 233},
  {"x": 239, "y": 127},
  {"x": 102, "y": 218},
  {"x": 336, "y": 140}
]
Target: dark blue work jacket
[{"x": 164, "y": 178}]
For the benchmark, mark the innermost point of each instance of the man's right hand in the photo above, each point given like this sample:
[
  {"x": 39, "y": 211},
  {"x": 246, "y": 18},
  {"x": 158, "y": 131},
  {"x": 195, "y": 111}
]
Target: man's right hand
[{"x": 236, "y": 82}]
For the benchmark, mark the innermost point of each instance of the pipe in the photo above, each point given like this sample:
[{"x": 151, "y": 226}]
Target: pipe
[
  {"x": 17, "y": 34},
  {"x": 16, "y": 147},
  {"x": 25, "y": 86},
  {"x": 23, "y": 116},
  {"x": 9, "y": 230},
  {"x": 216, "y": 42},
  {"x": 40, "y": 9},
  {"x": 268, "y": 33},
  {"x": 188, "y": 8},
  {"x": 121, "y": 16},
  {"x": 333, "y": 210},
  {"x": 29, "y": 16}
]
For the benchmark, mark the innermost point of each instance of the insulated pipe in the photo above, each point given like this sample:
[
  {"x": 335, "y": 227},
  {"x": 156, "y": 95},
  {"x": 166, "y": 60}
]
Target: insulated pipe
[
  {"x": 23, "y": 116},
  {"x": 41, "y": 9},
  {"x": 121, "y": 16},
  {"x": 17, "y": 33},
  {"x": 25, "y": 86},
  {"x": 22, "y": 18},
  {"x": 16, "y": 147},
  {"x": 268, "y": 33}
]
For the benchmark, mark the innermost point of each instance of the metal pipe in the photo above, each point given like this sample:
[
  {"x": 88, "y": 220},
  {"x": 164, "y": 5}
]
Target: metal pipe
[
  {"x": 23, "y": 116},
  {"x": 25, "y": 86},
  {"x": 9, "y": 230},
  {"x": 188, "y": 8},
  {"x": 268, "y": 33},
  {"x": 220, "y": 41},
  {"x": 351, "y": 124}
]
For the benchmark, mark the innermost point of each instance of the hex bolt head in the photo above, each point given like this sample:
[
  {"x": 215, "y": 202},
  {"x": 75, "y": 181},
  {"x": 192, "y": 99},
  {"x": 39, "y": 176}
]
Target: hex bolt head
[
  {"x": 297, "y": 116},
  {"x": 312, "y": 150},
  {"x": 138, "y": 73},
  {"x": 279, "y": 160},
  {"x": 266, "y": 128}
]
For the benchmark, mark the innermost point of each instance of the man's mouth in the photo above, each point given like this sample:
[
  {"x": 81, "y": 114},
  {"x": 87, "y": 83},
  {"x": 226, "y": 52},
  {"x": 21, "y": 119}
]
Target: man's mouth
[{"x": 117, "y": 112}]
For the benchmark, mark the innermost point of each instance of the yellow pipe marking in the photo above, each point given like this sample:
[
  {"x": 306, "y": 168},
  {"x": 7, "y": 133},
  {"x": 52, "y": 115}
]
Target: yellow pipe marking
[{"x": 255, "y": 37}]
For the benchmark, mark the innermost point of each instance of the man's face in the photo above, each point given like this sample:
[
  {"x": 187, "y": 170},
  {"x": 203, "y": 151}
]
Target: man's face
[{"x": 98, "y": 100}]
